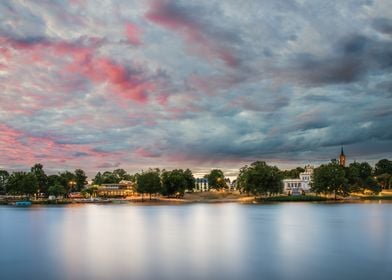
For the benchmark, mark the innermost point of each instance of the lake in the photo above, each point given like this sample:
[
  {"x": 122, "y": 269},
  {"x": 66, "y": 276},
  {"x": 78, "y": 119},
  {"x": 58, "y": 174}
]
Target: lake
[{"x": 197, "y": 241}]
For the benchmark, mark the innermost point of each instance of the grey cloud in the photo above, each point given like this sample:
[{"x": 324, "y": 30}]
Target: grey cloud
[
  {"x": 353, "y": 58},
  {"x": 383, "y": 25}
]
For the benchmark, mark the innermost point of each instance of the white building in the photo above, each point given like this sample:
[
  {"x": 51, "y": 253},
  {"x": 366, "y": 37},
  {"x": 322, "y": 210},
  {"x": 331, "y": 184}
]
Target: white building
[
  {"x": 201, "y": 185},
  {"x": 302, "y": 184}
]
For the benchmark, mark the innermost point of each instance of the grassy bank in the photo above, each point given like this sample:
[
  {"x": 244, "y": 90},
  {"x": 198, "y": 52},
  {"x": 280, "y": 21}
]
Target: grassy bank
[
  {"x": 376, "y": 197},
  {"x": 292, "y": 198}
]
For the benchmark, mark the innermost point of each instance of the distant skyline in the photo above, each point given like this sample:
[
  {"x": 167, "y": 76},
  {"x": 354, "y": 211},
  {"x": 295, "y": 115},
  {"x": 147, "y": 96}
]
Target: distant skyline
[{"x": 204, "y": 84}]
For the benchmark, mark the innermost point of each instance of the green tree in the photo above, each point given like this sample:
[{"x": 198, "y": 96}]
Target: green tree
[
  {"x": 22, "y": 183},
  {"x": 293, "y": 173},
  {"x": 121, "y": 175},
  {"x": 357, "y": 174},
  {"x": 80, "y": 179},
  {"x": 330, "y": 179},
  {"x": 260, "y": 179},
  {"x": 372, "y": 185},
  {"x": 67, "y": 180},
  {"x": 384, "y": 180},
  {"x": 108, "y": 177},
  {"x": 4, "y": 175},
  {"x": 38, "y": 171},
  {"x": 216, "y": 179},
  {"x": 98, "y": 179},
  {"x": 149, "y": 182},
  {"x": 190, "y": 180},
  {"x": 54, "y": 179},
  {"x": 92, "y": 191},
  {"x": 173, "y": 182},
  {"x": 57, "y": 190},
  {"x": 383, "y": 166}
]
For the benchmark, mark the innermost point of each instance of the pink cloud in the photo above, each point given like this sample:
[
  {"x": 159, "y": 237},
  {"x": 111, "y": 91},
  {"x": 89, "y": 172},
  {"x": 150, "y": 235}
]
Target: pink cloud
[
  {"x": 19, "y": 147},
  {"x": 141, "y": 152},
  {"x": 133, "y": 34},
  {"x": 85, "y": 61},
  {"x": 164, "y": 13}
]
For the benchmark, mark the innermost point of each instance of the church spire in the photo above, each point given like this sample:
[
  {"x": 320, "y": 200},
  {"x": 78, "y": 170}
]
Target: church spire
[{"x": 342, "y": 158}]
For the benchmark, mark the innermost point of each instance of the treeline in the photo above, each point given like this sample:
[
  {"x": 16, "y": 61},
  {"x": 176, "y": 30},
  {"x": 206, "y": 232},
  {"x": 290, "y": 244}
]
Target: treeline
[
  {"x": 258, "y": 178},
  {"x": 153, "y": 181},
  {"x": 261, "y": 179},
  {"x": 358, "y": 177},
  {"x": 37, "y": 182}
]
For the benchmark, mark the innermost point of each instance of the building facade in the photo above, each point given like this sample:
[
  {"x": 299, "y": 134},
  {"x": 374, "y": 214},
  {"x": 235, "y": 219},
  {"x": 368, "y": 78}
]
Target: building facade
[
  {"x": 122, "y": 189},
  {"x": 201, "y": 185},
  {"x": 301, "y": 184}
]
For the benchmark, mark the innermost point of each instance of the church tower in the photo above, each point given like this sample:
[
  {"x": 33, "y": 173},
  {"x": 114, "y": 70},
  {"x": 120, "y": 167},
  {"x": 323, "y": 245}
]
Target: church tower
[{"x": 342, "y": 158}]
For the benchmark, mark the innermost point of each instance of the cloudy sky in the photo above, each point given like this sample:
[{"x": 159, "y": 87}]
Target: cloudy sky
[{"x": 128, "y": 84}]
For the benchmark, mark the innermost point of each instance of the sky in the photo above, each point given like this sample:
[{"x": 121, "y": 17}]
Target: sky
[{"x": 204, "y": 84}]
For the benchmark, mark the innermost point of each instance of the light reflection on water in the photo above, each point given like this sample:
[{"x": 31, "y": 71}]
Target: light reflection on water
[{"x": 198, "y": 241}]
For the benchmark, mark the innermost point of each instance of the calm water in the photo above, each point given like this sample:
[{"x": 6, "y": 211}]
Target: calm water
[{"x": 199, "y": 241}]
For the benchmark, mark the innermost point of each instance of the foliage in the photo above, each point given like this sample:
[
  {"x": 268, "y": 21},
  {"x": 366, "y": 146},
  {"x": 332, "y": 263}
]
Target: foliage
[
  {"x": 216, "y": 179},
  {"x": 90, "y": 191},
  {"x": 67, "y": 180},
  {"x": 4, "y": 175},
  {"x": 57, "y": 190},
  {"x": 383, "y": 166},
  {"x": 293, "y": 173},
  {"x": 359, "y": 177},
  {"x": 372, "y": 185},
  {"x": 260, "y": 179},
  {"x": 54, "y": 179},
  {"x": 80, "y": 179},
  {"x": 149, "y": 182},
  {"x": 330, "y": 179},
  {"x": 39, "y": 173},
  {"x": 385, "y": 180},
  {"x": 22, "y": 183},
  {"x": 114, "y": 177},
  {"x": 190, "y": 179},
  {"x": 177, "y": 181}
]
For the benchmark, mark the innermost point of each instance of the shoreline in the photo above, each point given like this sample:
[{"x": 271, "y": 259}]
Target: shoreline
[{"x": 206, "y": 200}]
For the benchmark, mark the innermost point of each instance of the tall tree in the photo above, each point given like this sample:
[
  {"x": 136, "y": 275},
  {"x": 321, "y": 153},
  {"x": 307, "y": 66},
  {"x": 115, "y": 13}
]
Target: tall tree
[
  {"x": 4, "y": 175},
  {"x": 121, "y": 175},
  {"x": 330, "y": 179},
  {"x": 383, "y": 166},
  {"x": 149, "y": 182},
  {"x": 80, "y": 179},
  {"x": 216, "y": 179},
  {"x": 98, "y": 179},
  {"x": 22, "y": 183},
  {"x": 357, "y": 175},
  {"x": 68, "y": 180},
  {"x": 38, "y": 171},
  {"x": 190, "y": 179},
  {"x": 174, "y": 182},
  {"x": 260, "y": 179}
]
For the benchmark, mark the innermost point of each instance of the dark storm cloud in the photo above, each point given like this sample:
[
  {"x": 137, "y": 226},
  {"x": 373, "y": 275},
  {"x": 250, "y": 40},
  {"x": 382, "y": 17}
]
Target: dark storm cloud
[
  {"x": 352, "y": 58},
  {"x": 383, "y": 25}
]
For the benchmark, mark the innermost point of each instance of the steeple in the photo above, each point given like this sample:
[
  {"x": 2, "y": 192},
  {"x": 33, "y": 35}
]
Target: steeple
[{"x": 342, "y": 158}]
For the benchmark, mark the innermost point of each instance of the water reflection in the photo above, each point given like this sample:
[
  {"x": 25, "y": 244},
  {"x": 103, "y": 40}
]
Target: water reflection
[{"x": 222, "y": 241}]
